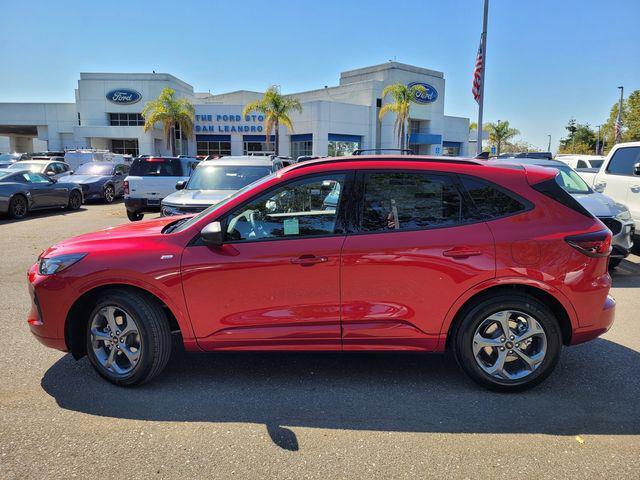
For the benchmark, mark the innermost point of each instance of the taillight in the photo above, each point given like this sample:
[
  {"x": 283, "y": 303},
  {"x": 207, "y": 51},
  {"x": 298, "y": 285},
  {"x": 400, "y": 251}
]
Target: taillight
[
  {"x": 125, "y": 187},
  {"x": 593, "y": 244}
]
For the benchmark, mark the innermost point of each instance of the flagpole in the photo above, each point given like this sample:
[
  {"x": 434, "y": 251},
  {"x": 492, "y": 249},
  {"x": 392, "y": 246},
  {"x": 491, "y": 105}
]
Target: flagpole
[
  {"x": 484, "y": 63},
  {"x": 618, "y": 129}
]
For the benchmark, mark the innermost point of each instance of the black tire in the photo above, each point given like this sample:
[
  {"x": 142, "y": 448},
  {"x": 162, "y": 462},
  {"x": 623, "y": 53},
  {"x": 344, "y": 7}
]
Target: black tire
[
  {"x": 155, "y": 336},
  {"x": 18, "y": 207},
  {"x": 134, "y": 216},
  {"x": 474, "y": 316},
  {"x": 75, "y": 200},
  {"x": 614, "y": 262},
  {"x": 109, "y": 194}
]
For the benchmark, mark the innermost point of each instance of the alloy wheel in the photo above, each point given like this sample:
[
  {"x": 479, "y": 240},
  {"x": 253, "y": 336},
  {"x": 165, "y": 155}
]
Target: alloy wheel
[
  {"x": 109, "y": 194},
  {"x": 19, "y": 207},
  {"x": 509, "y": 345},
  {"x": 115, "y": 340}
]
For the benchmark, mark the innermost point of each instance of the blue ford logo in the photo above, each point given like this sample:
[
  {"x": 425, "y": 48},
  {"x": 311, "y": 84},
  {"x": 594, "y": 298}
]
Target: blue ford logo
[
  {"x": 429, "y": 96},
  {"x": 124, "y": 96}
]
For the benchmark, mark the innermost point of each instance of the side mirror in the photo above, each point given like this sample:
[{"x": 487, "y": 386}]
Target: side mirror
[
  {"x": 118, "y": 173},
  {"x": 70, "y": 172},
  {"x": 181, "y": 184},
  {"x": 636, "y": 169},
  {"x": 212, "y": 234}
]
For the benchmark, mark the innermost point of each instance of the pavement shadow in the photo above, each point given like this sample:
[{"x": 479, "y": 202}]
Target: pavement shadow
[
  {"x": 49, "y": 212},
  {"x": 626, "y": 275},
  {"x": 595, "y": 390}
]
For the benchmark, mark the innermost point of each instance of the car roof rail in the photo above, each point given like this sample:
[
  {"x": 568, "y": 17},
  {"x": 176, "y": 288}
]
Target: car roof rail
[
  {"x": 401, "y": 151},
  {"x": 385, "y": 158}
]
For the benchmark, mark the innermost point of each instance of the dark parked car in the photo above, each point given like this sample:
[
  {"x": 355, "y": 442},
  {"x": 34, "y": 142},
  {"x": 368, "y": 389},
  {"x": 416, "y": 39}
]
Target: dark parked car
[
  {"x": 102, "y": 180},
  {"x": 22, "y": 191}
]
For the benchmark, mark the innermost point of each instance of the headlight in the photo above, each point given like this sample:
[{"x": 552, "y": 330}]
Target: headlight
[
  {"x": 51, "y": 265},
  {"x": 624, "y": 216},
  {"x": 167, "y": 211}
]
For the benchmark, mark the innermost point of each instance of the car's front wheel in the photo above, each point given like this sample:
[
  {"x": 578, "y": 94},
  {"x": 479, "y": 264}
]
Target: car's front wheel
[
  {"x": 508, "y": 342},
  {"x": 128, "y": 337}
]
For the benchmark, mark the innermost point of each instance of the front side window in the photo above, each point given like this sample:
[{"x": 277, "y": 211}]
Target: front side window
[
  {"x": 34, "y": 177},
  {"x": 490, "y": 202},
  {"x": 623, "y": 161},
  {"x": 408, "y": 201},
  {"x": 304, "y": 208}
]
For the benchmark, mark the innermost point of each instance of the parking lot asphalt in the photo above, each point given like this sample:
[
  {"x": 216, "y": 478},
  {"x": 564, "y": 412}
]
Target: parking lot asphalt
[{"x": 305, "y": 415}]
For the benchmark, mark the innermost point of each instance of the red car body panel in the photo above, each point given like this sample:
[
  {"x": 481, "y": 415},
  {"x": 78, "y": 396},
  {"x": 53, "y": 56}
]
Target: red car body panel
[{"x": 383, "y": 291}]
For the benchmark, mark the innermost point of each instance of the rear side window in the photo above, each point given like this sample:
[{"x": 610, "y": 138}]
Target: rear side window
[
  {"x": 582, "y": 164},
  {"x": 623, "y": 161},
  {"x": 409, "y": 201},
  {"x": 490, "y": 201},
  {"x": 156, "y": 167}
]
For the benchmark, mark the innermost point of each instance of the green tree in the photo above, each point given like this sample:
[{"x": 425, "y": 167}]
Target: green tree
[
  {"x": 402, "y": 96},
  {"x": 276, "y": 109},
  {"x": 581, "y": 138},
  {"x": 500, "y": 133},
  {"x": 169, "y": 112},
  {"x": 630, "y": 120}
]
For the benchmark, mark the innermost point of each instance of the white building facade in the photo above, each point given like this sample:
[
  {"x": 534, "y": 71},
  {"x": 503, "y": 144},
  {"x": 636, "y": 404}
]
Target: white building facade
[{"x": 334, "y": 120}]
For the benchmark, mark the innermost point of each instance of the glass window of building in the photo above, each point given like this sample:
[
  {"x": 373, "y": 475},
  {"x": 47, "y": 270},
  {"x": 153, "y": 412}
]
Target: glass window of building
[
  {"x": 451, "y": 149},
  {"x": 126, "y": 120},
  {"x": 220, "y": 148},
  {"x": 125, "y": 147},
  {"x": 301, "y": 144},
  {"x": 342, "y": 145},
  {"x": 258, "y": 144}
]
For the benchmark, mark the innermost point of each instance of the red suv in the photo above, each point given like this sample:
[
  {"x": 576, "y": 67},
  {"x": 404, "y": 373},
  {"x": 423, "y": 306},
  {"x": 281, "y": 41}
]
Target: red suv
[{"x": 496, "y": 263}]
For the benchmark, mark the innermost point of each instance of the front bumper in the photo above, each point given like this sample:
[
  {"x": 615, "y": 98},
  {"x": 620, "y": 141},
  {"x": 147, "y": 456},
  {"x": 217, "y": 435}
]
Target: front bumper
[
  {"x": 92, "y": 192},
  {"x": 137, "y": 205},
  {"x": 622, "y": 236}
]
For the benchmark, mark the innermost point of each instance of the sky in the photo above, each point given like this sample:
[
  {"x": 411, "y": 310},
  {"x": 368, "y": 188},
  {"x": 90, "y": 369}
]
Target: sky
[{"x": 547, "y": 60}]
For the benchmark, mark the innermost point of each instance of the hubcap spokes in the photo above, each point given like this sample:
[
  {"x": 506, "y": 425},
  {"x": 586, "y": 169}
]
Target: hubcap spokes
[
  {"x": 509, "y": 345},
  {"x": 115, "y": 340}
]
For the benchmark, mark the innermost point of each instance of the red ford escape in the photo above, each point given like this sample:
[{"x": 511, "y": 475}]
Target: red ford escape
[{"x": 496, "y": 263}]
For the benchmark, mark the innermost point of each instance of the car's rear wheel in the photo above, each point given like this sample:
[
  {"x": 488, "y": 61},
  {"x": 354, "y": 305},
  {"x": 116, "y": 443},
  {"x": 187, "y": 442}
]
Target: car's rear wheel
[
  {"x": 75, "y": 200},
  {"x": 134, "y": 216},
  {"x": 109, "y": 194},
  {"x": 18, "y": 207},
  {"x": 128, "y": 337},
  {"x": 508, "y": 342}
]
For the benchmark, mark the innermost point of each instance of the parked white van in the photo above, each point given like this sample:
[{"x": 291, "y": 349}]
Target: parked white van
[
  {"x": 151, "y": 179},
  {"x": 581, "y": 161}
]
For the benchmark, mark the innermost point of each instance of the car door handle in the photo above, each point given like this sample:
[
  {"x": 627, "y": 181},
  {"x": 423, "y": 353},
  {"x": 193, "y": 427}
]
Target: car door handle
[
  {"x": 308, "y": 260},
  {"x": 461, "y": 252}
]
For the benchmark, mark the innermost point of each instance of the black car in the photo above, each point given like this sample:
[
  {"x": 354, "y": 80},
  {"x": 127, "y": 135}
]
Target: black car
[
  {"x": 100, "y": 180},
  {"x": 23, "y": 191}
]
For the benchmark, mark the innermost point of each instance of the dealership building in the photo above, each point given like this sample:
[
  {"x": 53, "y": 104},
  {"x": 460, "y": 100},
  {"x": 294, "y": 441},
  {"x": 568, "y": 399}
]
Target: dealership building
[{"x": 334, "y": 120}]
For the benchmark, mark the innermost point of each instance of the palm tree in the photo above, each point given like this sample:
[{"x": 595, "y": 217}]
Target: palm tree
[
  {"x": 276, "y": 109},
  {"x": 500, "y": 133},
  {"x": 402, "y": 96},
  {"x": 170, "y": 113}
]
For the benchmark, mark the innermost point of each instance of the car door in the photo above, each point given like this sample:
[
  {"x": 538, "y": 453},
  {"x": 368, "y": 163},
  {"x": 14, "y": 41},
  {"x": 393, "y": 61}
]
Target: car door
[
  {"x": 43, "y": 190},
  {"x": 119, "y": 174},
  {"x": 619, "y": 181},
  {"x": 414, "y": 250},
  {"x": 274, "y": 284}
]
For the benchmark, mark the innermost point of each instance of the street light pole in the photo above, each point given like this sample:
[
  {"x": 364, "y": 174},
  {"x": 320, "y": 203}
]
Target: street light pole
[
  {"x": 549, "y": 146},
  {"x": 598, "y": 141},
  {"x": 482, "y": 70}
]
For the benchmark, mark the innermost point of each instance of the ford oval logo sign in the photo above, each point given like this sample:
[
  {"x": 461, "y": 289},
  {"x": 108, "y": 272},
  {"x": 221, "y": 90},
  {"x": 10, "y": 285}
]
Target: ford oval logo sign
[
  {"x": 429, "y": 96},
  {"x": 123, "y": 96}
]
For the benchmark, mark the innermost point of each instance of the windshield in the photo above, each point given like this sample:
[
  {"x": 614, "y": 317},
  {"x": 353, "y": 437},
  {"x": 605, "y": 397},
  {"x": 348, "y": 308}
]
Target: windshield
[
  {"x": 225, "y": 177},
  {"x": 34, "y": 167},
  {"x": 93, "y": 168},
  {"x": 568, "y": 179},
  {"x": 190, "y": 221},
  {"x": 596, "y": 163}
]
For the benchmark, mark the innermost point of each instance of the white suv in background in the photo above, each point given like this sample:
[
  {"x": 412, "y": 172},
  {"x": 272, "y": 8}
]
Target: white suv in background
[
  {"x": 151, "y": 179},
  {"x": 619, "y": 177}
]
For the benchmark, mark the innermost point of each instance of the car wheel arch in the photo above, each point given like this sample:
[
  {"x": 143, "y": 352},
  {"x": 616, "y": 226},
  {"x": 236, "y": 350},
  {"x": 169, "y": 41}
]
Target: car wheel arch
[
  {"x": 563, "y": 311},
  {"x": 74, "y": 328}
]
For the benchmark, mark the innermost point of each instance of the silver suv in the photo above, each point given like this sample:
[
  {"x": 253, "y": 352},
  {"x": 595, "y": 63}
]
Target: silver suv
[{"x": 214, "y": 180}]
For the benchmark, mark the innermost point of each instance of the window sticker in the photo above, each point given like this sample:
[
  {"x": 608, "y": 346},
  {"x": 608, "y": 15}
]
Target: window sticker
[{"x": 291, "y": 226}]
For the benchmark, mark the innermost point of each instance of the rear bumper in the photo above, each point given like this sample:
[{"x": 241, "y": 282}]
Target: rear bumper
[
  {"x": 136, "y": 205},
  {"x": 602, "y": 324}
]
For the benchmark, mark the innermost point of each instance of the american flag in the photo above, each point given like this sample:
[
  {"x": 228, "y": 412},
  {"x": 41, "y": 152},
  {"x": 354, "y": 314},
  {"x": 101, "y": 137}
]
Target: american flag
[{"x": 477, "y": 74}]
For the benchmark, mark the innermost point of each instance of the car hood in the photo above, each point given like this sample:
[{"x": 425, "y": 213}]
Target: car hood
[
  {"x": 599, "y": 204},
  {"x": 85, "y": 178},
  {"x": 196, "y": 197},
  {"x": 126, "y": 232}
]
